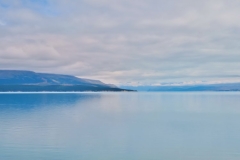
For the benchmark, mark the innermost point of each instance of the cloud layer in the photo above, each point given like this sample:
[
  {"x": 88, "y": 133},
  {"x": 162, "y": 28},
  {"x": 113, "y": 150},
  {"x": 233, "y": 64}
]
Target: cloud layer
[{"x": 121, "y": 41}]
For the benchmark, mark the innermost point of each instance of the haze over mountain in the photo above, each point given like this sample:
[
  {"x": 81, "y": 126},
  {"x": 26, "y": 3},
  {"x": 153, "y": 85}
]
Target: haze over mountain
[
  {"x": 17, "y": 80},
  {"x": 194, "y": 87}
]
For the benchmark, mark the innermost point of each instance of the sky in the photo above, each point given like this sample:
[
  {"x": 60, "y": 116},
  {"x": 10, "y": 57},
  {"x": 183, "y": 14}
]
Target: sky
[{"x": 137, "y": 42}]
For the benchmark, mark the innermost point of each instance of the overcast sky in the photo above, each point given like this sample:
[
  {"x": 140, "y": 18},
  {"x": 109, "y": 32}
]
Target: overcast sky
[{"x": 123, "y": 41}]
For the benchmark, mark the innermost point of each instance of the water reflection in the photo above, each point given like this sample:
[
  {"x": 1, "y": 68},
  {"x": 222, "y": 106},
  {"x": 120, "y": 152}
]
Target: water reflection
[
  {"x": 26, "y": 101},
  {"x": 120, "y": 126}
]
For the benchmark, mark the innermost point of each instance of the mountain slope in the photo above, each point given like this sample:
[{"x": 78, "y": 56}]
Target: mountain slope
[{"x": 14, "y": 80}]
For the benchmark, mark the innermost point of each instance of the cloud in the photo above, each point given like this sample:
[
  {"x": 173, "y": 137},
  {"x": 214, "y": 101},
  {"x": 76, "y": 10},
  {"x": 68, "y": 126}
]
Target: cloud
[
  {"x": 2, "y": 23},
  {"x": 123, "y": 41}
]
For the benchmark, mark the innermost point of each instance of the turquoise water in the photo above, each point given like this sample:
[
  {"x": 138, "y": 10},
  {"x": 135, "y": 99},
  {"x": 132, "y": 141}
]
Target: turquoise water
[{"x": 120, "y": 126}]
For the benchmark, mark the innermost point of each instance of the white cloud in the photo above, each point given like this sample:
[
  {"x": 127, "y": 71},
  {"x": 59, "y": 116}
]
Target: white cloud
[{"x": 124, "y": 41}]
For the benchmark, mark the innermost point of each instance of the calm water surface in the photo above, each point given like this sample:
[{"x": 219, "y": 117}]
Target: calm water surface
[{"x": 120, "y": 126}]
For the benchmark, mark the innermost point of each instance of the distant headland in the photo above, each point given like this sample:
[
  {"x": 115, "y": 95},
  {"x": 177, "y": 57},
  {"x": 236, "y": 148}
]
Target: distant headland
[{"x": 29, "y": 81}]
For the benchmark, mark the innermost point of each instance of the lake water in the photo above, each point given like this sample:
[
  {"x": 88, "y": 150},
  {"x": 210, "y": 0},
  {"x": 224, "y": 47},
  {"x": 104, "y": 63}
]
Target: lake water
[{"x": 120, "y": 126}]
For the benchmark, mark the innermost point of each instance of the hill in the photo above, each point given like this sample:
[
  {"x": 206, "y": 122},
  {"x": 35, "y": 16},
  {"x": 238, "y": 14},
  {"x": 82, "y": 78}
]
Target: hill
[{"x": 17, "y": 80}]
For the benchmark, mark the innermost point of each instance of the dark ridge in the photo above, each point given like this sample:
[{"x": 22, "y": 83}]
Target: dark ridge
[{"x": 56, "y": 88}]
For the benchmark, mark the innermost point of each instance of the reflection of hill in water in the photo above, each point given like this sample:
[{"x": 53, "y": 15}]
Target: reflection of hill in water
[{"x": 30, "y": 100}]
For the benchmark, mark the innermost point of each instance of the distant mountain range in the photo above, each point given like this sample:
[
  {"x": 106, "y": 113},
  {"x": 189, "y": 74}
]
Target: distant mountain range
[
  {"x": 17, "y": 80},
  {"x": 202, "y": 87}
]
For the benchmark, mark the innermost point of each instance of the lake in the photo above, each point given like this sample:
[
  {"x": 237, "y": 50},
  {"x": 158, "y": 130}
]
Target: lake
[{"x": 120, "y": 126}]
